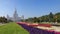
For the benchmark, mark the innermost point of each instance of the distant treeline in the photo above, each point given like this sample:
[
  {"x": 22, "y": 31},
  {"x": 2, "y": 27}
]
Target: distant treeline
[
  {"x": 4, "y": 20},
  {"x": 46, "y": 18}
]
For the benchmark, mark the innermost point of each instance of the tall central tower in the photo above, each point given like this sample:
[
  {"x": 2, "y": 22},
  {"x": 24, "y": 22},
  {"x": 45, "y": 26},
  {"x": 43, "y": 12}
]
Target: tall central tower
[{"x": 15, "y": 16}]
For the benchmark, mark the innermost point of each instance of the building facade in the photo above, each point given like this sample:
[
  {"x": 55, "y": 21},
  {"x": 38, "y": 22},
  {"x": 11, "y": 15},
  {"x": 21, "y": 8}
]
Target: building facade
[{"x": 15, "y": 17}]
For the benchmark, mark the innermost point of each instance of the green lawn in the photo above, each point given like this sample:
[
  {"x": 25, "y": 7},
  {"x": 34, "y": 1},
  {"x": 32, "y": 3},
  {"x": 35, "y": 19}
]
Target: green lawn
[{"x": 12, "y": 28}]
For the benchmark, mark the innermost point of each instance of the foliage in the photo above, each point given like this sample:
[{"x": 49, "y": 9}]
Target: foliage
[
  {"x": 50, "y": 17},
  {"x": 46, "y": 18},
  {"x": 3, "y": 20}
]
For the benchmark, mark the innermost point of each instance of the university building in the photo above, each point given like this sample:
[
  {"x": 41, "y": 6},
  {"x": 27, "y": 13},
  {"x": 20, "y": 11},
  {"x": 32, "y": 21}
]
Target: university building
[{"x": 15, "y": 17}]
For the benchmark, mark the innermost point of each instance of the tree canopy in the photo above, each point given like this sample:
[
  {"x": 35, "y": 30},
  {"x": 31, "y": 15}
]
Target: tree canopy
[{"x": 46, "y": 18}]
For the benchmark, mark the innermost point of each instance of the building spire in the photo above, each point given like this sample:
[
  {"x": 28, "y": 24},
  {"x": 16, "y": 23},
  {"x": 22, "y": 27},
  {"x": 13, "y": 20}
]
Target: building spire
[
  {"x": 15, "y": 16},
  {"x": 15, "y": 13}
]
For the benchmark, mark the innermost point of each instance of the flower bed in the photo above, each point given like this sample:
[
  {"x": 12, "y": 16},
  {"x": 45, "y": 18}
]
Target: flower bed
[
  {"x": 36, "y": 24},
  {"x": 45, "y": 25},
  {"x": 34, "y": 30}
]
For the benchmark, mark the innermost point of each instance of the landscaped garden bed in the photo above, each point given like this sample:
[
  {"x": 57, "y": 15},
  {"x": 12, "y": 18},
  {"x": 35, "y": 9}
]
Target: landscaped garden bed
[{"x": 42, "y": 30}]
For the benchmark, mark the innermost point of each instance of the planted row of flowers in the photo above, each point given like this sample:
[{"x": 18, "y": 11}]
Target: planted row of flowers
[
  {"x": 36, "y": 24},
  {"x": 33, "y": 30}
]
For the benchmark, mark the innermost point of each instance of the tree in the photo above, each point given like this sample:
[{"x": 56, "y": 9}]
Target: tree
[
  {"x": 46, "y": 18},
  {"x": 3, "y": 20},
  {"x": 51, "y": 17},
  {"x": 57, "y": 18}
]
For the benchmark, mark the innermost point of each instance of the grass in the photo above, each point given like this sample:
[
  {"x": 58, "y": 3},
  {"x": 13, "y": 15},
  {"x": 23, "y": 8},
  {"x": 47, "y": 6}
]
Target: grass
[{"x": 12, "y": 28}]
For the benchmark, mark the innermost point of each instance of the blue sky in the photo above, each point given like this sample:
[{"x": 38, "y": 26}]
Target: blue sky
[{"x": 29, "y": 8}]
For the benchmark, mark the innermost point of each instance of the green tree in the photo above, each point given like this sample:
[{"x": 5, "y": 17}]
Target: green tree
[
  {"x": 51, "y": 17},
  {"x": 3, "y": 20},
  {"x": 58, "y": 17}
]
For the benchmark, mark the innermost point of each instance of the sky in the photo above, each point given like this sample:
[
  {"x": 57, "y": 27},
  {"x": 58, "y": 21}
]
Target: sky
[{"x": 29, "y": 8}]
